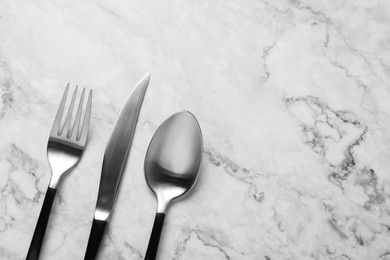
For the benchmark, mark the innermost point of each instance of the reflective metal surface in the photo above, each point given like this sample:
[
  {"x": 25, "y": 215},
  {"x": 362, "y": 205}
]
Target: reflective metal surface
[
  {"x": 117, "y": 150},
  {"x": 173, "y": 158},
  {"x": 67, "y": 143}
]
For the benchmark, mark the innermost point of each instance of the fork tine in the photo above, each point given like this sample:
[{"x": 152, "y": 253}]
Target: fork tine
[
  {"x": 69, "y": 115},
  {"x": 55, "y": 130},
  {"x": 87, "y": 117},
  {"x": 78, "y": 116}
]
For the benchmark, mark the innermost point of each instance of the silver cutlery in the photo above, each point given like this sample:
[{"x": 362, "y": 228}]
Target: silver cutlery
[
  {"x": 64, "y": 149},
  {"x": 171, "y": 166},
  {"x": 114, "y": 161}
]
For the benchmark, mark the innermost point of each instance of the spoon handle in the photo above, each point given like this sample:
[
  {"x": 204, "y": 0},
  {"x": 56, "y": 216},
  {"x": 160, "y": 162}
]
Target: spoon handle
[{"x": 151, "y": 252}]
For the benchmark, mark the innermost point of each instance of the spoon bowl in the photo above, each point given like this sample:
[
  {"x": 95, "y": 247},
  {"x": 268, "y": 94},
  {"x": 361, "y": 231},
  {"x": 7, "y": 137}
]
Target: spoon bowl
[{"x": 172, "y": 165}]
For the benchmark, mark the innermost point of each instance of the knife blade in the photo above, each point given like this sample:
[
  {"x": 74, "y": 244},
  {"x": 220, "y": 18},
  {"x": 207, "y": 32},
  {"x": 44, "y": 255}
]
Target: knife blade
[{"x": 114, "y": 161}]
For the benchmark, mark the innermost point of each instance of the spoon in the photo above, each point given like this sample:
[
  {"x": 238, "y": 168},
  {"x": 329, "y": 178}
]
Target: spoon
[{"x": 171, "y": 167}]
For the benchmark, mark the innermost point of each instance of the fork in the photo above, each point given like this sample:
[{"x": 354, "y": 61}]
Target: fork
[{"x": 64, "y": 149}]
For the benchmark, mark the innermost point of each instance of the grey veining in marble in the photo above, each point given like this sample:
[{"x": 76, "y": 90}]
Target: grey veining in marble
[{"x": 293, "y": 101}]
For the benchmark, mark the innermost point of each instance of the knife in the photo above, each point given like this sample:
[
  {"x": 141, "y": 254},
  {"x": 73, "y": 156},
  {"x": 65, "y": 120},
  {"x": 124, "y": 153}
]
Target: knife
[{"x": 114, "y": 161}]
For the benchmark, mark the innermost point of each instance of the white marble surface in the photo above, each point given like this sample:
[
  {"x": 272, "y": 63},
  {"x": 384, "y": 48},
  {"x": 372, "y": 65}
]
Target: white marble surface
[{"x": 292, "y": 97}]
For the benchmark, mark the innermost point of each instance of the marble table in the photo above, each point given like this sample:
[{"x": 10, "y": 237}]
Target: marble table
[{"x": 293, "y": 101}]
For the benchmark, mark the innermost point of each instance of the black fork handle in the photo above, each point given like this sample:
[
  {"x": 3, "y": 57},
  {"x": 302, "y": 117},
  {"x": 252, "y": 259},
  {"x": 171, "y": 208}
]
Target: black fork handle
[{"x": 39, "y": 233}]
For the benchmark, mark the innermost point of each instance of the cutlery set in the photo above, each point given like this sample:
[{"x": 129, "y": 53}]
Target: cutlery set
[{"x": 171, "y": 167}]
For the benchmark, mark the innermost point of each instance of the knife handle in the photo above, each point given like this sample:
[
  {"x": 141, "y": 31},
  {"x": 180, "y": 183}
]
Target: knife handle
[
  {"x": 95, "y": 237},
  {"x": 151, "y": 252},
  {"x": 39, "y": 233}
]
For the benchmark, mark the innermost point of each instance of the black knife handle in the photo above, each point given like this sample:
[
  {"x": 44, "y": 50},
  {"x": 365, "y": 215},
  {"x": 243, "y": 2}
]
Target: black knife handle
[
  {"x": 39, "y": 233},
  {"x": 151, "y": 252},
  {"x": 95, "y": 238}
]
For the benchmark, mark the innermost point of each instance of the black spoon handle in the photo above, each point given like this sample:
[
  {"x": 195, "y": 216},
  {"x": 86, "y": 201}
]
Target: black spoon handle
[
  {"x": 151, "y": 252},
  {"x": 95, "y": 238},
  {"x": 39, "y": 233}
]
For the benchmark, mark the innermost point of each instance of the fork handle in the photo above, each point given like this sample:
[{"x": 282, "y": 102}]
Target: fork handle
[
  {"x": 39, "y": 233},
  {"x": 95, "y": 238}
]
